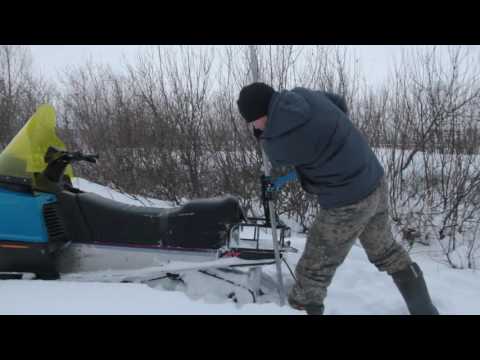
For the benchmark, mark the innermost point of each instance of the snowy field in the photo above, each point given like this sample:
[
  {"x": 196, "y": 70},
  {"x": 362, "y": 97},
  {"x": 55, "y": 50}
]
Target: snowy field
[{"x": 358, "y": 288}]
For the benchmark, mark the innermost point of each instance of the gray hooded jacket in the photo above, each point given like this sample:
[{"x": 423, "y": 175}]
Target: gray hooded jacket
[{"x": 311, "y": 131}]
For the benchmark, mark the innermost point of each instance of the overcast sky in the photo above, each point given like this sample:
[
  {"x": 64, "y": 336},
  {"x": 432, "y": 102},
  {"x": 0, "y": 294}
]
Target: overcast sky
[{"x": 50, "y": 59}]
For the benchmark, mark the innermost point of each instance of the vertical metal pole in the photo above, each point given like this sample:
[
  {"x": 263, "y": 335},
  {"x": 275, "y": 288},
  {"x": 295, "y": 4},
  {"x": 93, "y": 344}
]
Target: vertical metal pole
[{"x": 254, "y": 67}]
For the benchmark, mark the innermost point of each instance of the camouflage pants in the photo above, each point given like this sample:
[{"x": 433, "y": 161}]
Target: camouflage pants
[{"x": 332, "y": 235}]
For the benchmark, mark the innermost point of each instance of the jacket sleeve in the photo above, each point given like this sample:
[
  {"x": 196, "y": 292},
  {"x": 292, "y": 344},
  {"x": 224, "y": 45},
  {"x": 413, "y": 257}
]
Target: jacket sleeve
[{"x": 338, "y": 100}]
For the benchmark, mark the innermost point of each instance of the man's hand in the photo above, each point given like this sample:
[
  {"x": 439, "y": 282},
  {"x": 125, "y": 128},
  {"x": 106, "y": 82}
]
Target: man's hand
[{"x": 269, "y": 192}]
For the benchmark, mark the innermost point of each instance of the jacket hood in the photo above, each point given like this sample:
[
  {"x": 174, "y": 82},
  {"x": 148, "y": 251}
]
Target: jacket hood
[{"x": 288, "y": 110}]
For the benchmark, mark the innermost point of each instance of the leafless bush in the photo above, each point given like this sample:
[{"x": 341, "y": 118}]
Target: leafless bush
[
  {"x": 20, "y": 90},
  {"x": 433, "y": 179}
]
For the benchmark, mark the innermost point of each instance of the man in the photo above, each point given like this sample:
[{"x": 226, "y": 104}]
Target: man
[{"x": 310, "y": 130}]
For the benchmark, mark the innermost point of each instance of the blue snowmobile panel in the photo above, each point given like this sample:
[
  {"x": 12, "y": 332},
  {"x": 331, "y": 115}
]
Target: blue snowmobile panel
[{"x": 21, "y": 216}]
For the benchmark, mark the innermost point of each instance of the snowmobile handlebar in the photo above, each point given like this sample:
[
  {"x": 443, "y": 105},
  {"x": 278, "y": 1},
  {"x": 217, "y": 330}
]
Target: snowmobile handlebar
[
  {"x": 53, "y": 155},
  {"x": 57, "y": 161}
]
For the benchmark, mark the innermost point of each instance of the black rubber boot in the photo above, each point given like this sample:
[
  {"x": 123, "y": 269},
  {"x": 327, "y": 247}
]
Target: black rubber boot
[
  {"x": 412, "y": 286},
  {"x": 314, "y": 309}
]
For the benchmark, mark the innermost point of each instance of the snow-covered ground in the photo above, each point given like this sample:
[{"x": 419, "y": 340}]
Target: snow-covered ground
[{"x": 358, "y": 288}]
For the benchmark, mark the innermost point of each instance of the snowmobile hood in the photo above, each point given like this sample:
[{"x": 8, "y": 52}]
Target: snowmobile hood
[{"x": 25, "y": 153}]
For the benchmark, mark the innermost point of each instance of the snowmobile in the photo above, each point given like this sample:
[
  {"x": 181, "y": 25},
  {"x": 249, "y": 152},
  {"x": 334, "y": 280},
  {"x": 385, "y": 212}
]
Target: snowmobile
[{"x": 49, "y": 227}]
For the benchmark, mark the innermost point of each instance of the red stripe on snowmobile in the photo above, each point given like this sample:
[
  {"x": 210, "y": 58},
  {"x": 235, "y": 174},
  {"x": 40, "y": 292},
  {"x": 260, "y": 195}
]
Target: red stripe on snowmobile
[{"x": 14, "y": 246}]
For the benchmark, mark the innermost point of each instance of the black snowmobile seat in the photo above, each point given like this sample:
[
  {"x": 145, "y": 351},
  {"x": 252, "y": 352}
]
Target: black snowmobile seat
[
  {"x": 222, "y": 209},
  {"x": 201, "y": 223},
  {"x": 204, "y": 223}
]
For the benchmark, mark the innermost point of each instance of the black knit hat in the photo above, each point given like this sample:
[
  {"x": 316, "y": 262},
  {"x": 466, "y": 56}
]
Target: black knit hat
[{"x": 254, "y": 100}]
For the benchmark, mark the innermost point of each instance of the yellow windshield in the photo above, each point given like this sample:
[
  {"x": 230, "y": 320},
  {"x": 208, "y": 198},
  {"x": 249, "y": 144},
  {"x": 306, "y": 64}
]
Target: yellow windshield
[{"x": 24, "y": 155}]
